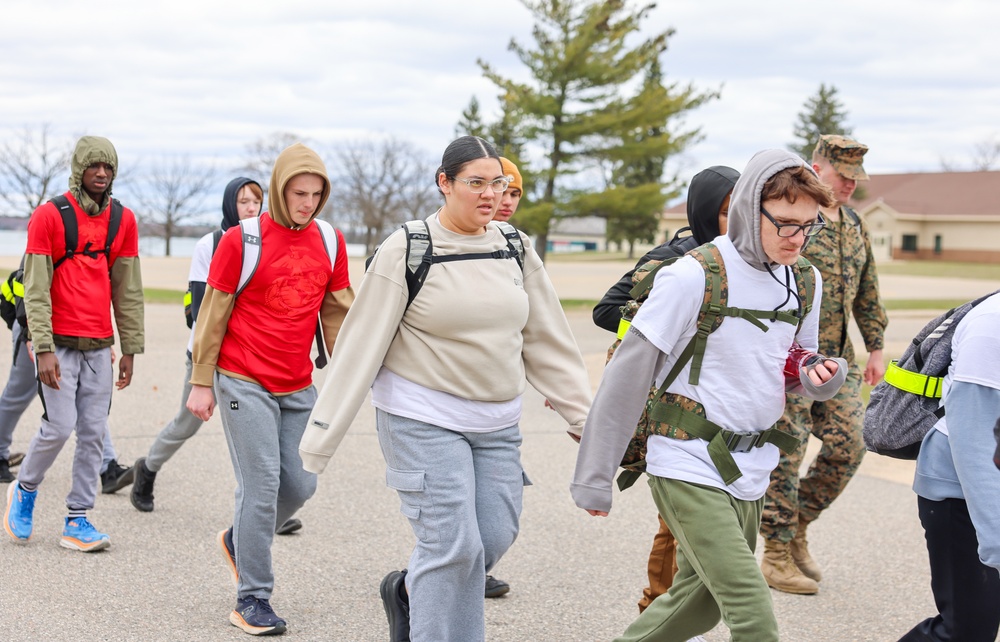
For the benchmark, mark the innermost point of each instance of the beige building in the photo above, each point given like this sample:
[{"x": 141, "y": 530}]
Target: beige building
[{"x": 940, "y": 216}]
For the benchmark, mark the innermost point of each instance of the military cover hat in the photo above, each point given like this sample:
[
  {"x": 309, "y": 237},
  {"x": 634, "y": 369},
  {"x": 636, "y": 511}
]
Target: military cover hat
[{"x": 845, "y": 155}]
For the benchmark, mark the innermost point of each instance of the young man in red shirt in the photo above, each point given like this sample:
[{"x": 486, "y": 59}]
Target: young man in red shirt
[
  {"x": 68, "y": 297},
  {"x": 253, "y": 345}
]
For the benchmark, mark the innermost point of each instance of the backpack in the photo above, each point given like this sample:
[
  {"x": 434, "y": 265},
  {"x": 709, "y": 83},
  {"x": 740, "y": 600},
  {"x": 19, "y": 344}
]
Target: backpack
[
  {"x": 904, "y": 406},
  {"x": 12, "y": 289},
  {"x": 672, "y": 415},
  {"x": 188, "y": 312},
  {"x": 420, "y": 253}
]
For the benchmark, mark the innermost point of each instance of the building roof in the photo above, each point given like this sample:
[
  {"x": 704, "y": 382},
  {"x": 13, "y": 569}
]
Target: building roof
[
  {"x": 934, "y": 194},
  {"x": 925, "y": 194}
]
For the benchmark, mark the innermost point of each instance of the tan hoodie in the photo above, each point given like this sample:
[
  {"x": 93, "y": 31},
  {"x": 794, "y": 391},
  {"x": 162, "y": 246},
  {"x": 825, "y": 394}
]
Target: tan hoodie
[{"x": 217, "y": 306}]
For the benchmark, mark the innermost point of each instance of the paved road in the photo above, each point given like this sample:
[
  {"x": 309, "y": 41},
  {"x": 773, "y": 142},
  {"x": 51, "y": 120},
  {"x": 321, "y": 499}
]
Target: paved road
[{"x": 574, "y": 577}]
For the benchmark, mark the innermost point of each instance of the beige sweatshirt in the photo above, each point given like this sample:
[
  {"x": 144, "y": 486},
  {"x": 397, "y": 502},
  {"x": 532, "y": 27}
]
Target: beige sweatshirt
[{"x": 478, "y": 329}]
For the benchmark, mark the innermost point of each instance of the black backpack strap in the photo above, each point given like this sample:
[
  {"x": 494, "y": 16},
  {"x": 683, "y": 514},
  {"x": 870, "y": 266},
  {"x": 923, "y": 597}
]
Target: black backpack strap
[
  {"x": 216, "y": 237},
  {"x": 418, "y": 256},
  {"x": 69, "y": 226},
  {"x": 114, "y": 223},
  {"x": 855, "y": 219},
  {"x": 514, "y": 243}
]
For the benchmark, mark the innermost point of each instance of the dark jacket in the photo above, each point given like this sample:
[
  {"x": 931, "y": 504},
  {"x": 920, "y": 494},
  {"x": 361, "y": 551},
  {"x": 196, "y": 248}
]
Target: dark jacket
[{"x": 708, "y": 189}]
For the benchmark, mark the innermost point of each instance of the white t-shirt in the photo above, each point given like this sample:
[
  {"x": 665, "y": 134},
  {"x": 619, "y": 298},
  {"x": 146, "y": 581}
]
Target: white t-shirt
[
  {"x": 975, "y": 351},
  {"x": 740, "y": 389},
  {"x": 200, "y": 260},
  {"x": 402, "y": 397}
]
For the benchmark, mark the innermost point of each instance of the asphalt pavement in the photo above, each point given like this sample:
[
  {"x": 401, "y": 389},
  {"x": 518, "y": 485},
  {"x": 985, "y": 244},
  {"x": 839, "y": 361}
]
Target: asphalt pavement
[{"x": 573, "y": 577}]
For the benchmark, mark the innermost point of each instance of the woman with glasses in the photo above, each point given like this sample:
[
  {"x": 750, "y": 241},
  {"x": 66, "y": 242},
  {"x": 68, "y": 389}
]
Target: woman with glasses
[{"x": 447, "y": 372}]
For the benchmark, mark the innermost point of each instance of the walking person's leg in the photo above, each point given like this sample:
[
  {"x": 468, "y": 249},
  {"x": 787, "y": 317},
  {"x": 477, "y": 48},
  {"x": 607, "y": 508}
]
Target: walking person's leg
[
  {"x": 296, "y": 485},
  {"x": 432, "y": 470},
  {"x": 20, "y": 391}
]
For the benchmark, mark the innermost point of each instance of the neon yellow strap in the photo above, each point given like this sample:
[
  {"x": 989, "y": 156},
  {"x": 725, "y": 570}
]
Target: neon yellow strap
[
  {"x": 9, "y": 294},
  {"x": 913, "y": 382},
  {"x": 187, "y": 298},
  {"x": 623, "y": 327}
]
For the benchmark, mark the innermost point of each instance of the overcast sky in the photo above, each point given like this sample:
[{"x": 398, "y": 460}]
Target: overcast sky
[{"x": 920, "y": 79}]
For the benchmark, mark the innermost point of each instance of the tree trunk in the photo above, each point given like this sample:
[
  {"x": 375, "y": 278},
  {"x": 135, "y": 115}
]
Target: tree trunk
[{"x": 541, "y": 245}]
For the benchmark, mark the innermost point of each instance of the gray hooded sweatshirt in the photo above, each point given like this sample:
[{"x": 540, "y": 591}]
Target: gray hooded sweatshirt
[{"x": 627, "y": 379}]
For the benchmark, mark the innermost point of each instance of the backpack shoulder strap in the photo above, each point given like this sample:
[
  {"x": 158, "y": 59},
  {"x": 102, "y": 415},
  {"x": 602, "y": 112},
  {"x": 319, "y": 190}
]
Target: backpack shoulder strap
[
  {"x": 329, "y": 235},
  {"x": 68, "y": 215},
  {"x": 514, "y": 242},
  {"x": 805, "y": 283},
  {"x": 855, "y": 219},
  {"x": 114, "y": 223},
  {"x": 419, "y": 249},
  {"x": 216, "y": 237},
  {"x": 250, "y": 230}
]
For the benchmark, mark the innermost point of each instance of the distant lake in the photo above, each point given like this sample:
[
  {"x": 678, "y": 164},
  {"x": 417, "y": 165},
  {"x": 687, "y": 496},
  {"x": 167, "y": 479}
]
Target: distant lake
[{"x": 13, "y": 242}]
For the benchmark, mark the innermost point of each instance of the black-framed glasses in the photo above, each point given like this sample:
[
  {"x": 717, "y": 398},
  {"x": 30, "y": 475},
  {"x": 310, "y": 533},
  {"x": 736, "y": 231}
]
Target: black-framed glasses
[
  {"x": 478, "y": 185},
  {"x": 788, "y": 230}
]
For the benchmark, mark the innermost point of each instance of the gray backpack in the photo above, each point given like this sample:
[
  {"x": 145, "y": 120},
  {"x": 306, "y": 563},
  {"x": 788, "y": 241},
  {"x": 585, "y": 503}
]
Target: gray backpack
[{"x": 905, "y": 406}]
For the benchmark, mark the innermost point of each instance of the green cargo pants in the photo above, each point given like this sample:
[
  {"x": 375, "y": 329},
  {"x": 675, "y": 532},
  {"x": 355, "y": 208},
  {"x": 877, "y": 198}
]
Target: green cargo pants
[{"x": 717, "y": 574}]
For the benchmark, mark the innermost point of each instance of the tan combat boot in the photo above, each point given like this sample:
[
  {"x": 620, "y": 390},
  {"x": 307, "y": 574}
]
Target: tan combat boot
[
  {"x": 781, "y": 573},
  {"x": 801, "y": 556}
]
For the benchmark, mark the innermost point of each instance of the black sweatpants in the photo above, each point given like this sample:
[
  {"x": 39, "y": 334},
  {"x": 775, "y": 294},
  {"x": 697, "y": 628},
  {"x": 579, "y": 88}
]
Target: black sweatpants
[{"x": 966, "y": 591}]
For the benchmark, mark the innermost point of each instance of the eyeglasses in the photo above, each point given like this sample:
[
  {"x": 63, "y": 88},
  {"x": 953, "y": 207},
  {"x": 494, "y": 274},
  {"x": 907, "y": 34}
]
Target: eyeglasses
[
  {"x": 479, "y": 185},
  {"x": 788, "y": 230}
]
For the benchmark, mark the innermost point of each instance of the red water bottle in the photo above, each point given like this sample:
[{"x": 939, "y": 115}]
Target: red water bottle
[{"x": 798, "y": 358}]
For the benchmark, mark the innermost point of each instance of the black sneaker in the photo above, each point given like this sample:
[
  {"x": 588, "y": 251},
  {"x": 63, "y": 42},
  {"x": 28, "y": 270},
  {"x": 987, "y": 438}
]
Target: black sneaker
[
  {"x": 290, "y": 526},
  {"x": 397, "y": 605},
  {"x": 6, "y": 476},
  {"x": 495, "y": 587},
  {"x": 142, "y": 489},
  {"x": 116, "y": 477},
  {"x": 256, "y": 617}
]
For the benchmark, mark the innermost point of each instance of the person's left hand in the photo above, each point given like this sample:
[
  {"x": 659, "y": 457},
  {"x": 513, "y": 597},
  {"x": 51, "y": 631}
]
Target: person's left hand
[
  {"x": 875, "y": 369},
  {"x": 597, "y": 513},
  {"x": 124, "y": 371}
]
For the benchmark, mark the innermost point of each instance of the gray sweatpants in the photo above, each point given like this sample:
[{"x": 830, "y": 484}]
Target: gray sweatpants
[
  {"x": 181, "y": 428},
  {"x": 462, "y": 494},
  {"x": 263, "y": 432},
  {"x": 80, "y": 404},
  {"x": 20, "y": 391}
]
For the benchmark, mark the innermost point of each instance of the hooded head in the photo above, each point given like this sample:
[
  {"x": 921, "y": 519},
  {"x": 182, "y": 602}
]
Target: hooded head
[
  {"x": 709, "y": 188},
  {"x": 295, "y": 161},
  {"x": 230, "y": 214},
  {"x": 745, "y": 205},
  {"x": 90, "y": 150}
]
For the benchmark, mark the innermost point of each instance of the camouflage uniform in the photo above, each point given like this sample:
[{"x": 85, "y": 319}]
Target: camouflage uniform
[{"x": 842, "y": 253}]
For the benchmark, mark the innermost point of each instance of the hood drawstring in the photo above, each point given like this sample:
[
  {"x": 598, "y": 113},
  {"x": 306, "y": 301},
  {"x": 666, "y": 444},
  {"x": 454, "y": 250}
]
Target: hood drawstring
[{"x": 790, "y": 291}]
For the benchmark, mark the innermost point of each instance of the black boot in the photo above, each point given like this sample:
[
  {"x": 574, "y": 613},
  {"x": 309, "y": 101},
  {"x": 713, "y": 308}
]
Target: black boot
[{"x": 142, "y": 489}]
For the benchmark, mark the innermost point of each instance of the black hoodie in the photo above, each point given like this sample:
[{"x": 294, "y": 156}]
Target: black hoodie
[
  {"x": 230, "y": 216},
  {"x": 709, "y": 188}
]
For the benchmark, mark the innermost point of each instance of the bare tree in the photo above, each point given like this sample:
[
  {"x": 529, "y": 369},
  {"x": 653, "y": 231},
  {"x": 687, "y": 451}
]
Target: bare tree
[
  {"x": 30, "y": 168},
  {"x": 381, "y": 184},
  {"x": 986, "y": 154},
  {"x": 174, "y": 192},
  {"x": 261, "y": 154}
]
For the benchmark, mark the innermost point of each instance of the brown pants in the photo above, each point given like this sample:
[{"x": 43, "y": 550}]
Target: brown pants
[{"x": 662, "y": 565}]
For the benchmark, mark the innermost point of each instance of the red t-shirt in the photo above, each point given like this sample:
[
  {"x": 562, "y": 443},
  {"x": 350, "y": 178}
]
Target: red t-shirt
[
  {"x": 81, "y": 286},
  {"x": 273, "y": 323}
]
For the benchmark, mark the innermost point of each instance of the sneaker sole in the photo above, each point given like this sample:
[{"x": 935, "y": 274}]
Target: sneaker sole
[
  {"x": 498, "y": 592},
  {"x": 293, "y": 525},
  {"x": 85, "y": 547},
  {"x": 221, "y": 537},
  {"x": 6, "y": 517},
  {"x": 120, "y": 483},
  {"x": 15, "y": 459},
  {"x": 237, "y": 620}
]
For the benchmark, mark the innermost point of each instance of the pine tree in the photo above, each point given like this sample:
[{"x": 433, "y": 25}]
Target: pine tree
[
  {"x": 471, "y": 122},
  {"x": 577, "y": 107},
  {"x": 822, "y": 114}
]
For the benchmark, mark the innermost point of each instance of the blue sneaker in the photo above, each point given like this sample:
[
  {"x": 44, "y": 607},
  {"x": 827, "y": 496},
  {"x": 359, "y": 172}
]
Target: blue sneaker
[
  {"x": 80, "y": 535},
  {"x": 256, "y": 617},
  {"x": 229, "y": 550},
  {"x": 18, "y": 519}
]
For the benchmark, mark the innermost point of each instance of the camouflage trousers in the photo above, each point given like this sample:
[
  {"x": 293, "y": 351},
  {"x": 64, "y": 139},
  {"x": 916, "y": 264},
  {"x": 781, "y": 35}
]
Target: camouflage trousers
[{"x": 838, "y": 424}]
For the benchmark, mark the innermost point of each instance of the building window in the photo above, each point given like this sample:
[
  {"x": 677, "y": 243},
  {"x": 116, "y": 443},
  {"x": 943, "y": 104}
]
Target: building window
[
  {"x": 937, "y": 244},
  {"x": 909, "y": 242}
]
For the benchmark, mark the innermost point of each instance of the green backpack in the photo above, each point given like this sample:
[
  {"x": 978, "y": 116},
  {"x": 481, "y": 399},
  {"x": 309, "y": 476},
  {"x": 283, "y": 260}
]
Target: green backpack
[{"x": 676, "y": 416}]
